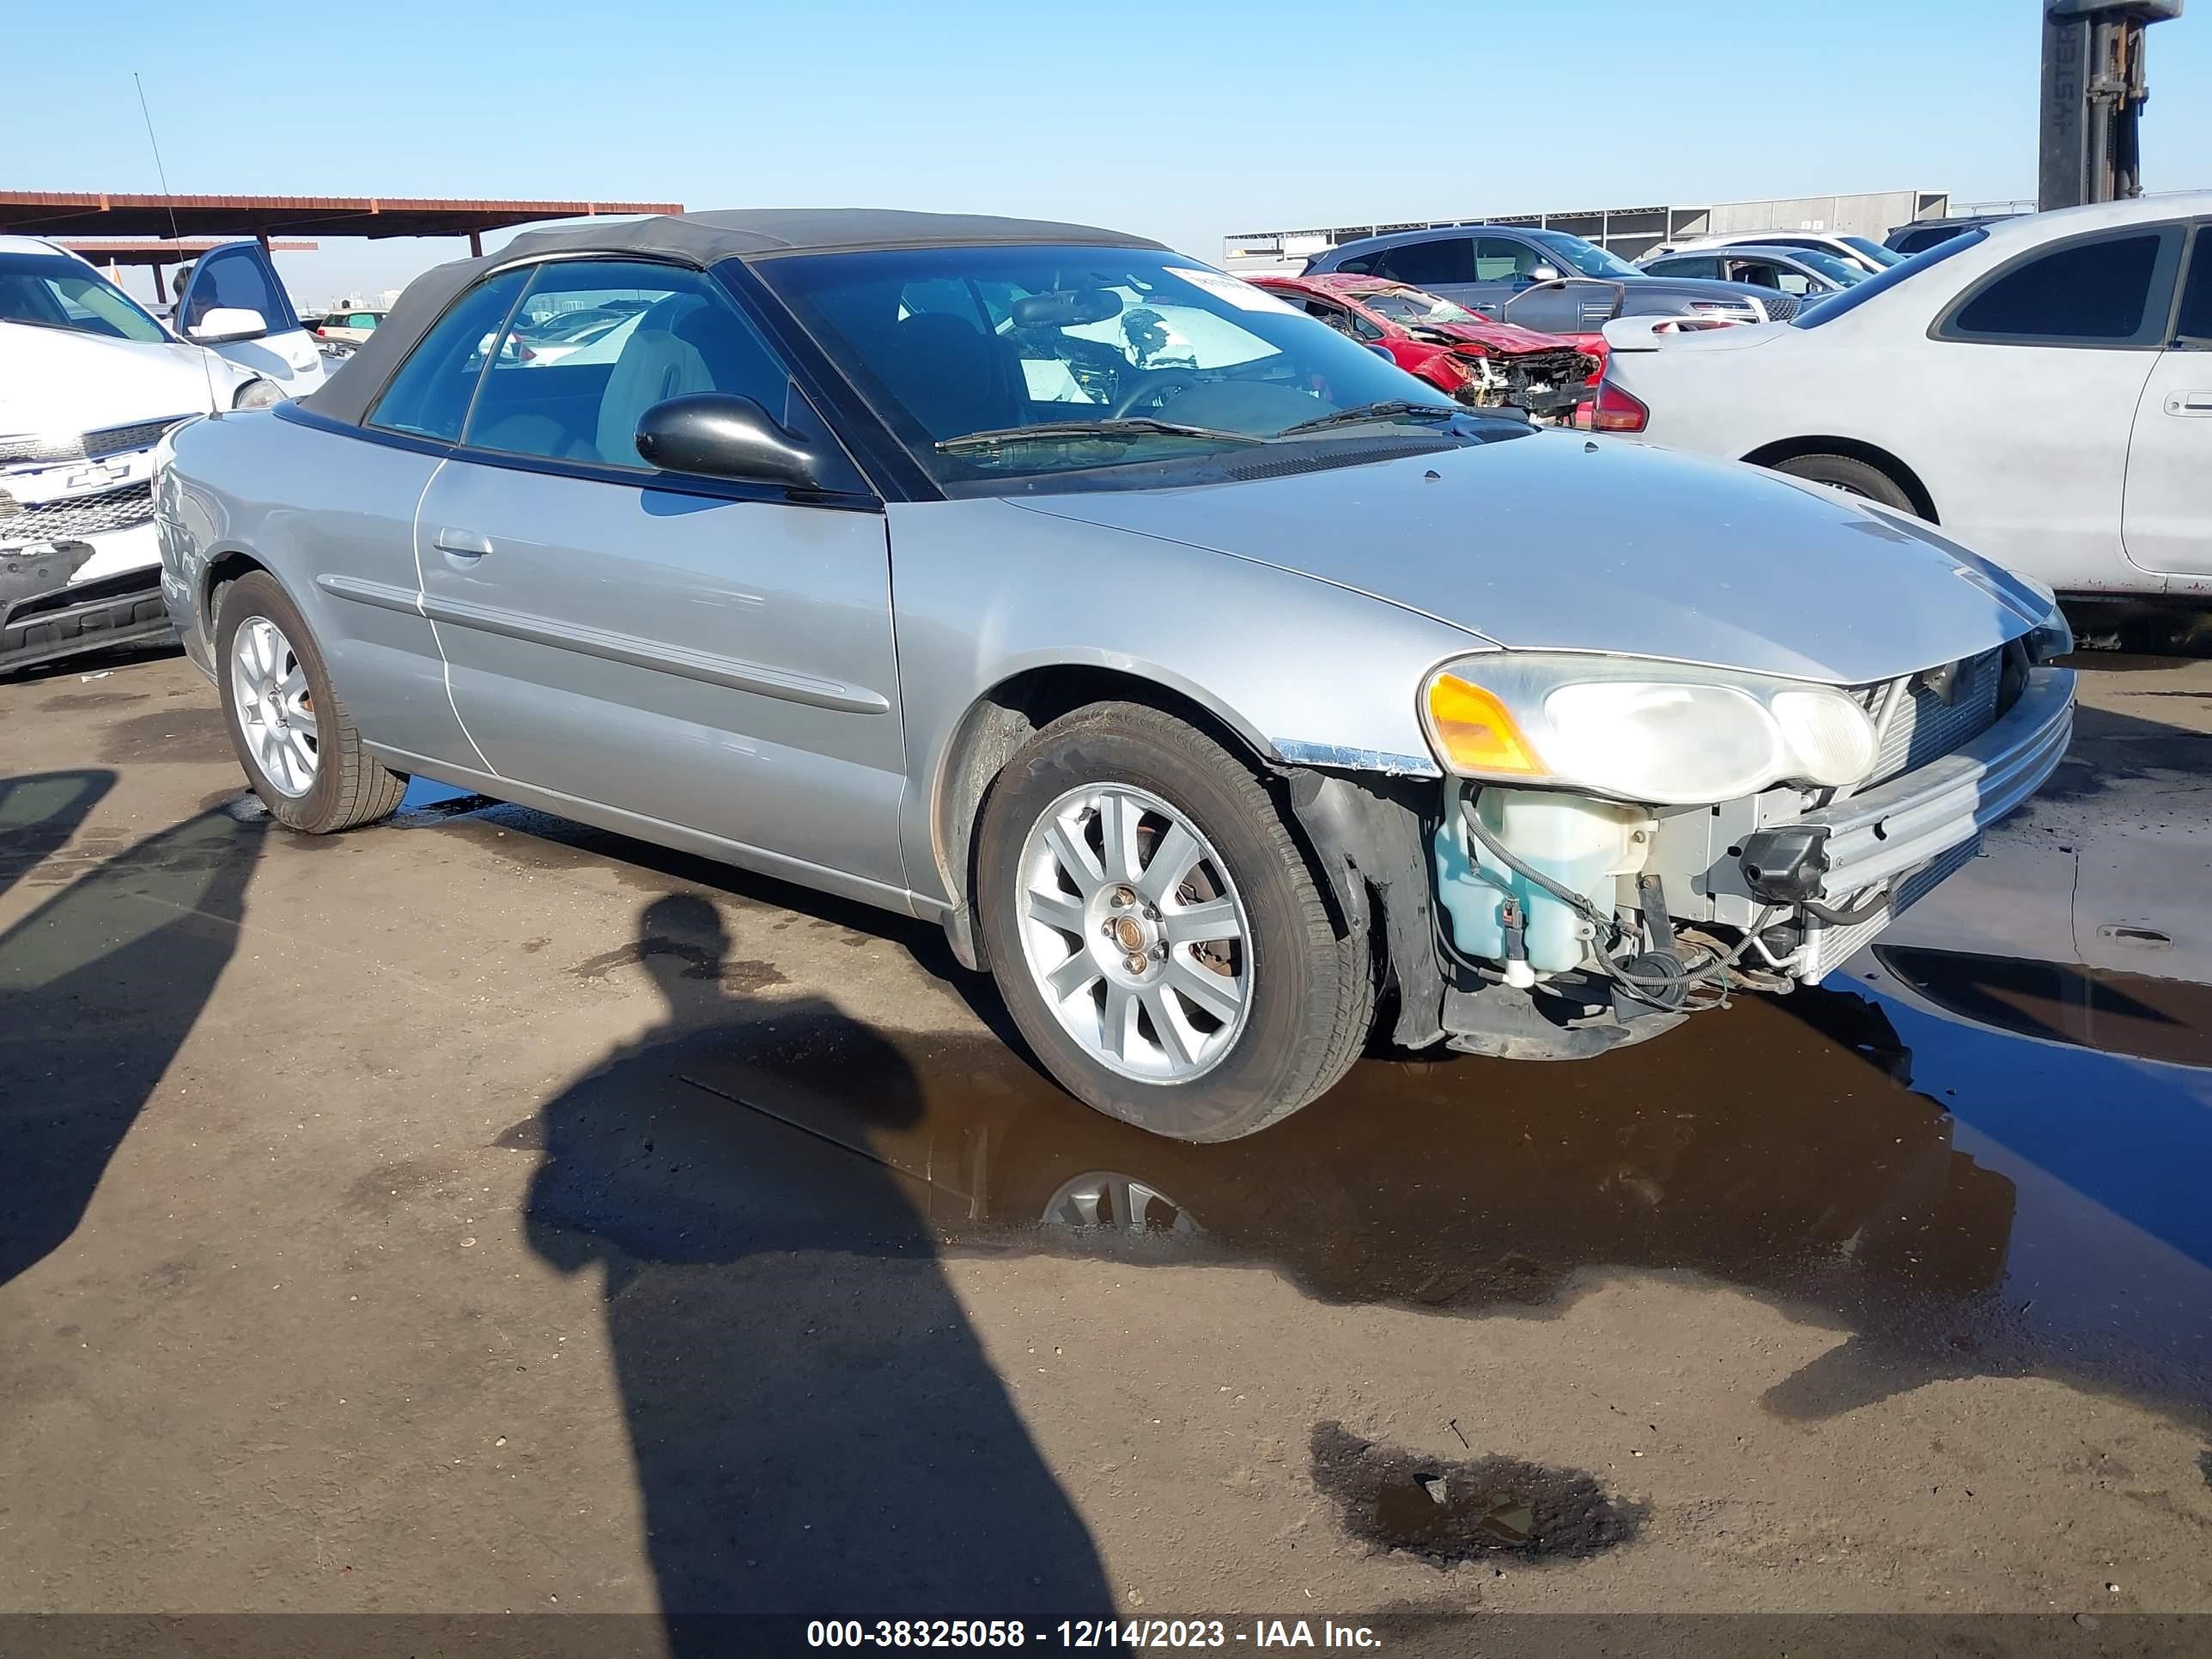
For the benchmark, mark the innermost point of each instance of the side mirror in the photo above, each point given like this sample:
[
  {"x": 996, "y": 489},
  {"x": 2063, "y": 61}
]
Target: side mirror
[
  {"x": 1543, "y": 273},
  {"x": 219, "y": 325},
  {"x": 722, "y": 435}
]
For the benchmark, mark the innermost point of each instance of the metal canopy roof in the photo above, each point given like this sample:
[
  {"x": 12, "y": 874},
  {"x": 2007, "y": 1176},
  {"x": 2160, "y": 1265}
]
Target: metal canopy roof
[
  {"x": 147, "y": 251},
  {"x": 51, "y": 213}
]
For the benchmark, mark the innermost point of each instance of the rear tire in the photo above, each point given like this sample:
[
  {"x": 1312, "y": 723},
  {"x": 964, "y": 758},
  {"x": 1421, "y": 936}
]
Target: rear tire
[
  {"x": 1852, "y": 475},
  {"x": 300, "y": 748},
  {"x": 1290, "y": 1002}
]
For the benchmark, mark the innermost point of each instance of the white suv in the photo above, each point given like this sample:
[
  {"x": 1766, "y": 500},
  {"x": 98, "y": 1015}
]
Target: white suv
[{"x": 89, "y": 382}]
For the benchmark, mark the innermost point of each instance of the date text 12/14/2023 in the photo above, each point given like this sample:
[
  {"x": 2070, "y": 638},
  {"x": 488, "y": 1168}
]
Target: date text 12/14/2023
[{"x": 1074, "y": 1635}]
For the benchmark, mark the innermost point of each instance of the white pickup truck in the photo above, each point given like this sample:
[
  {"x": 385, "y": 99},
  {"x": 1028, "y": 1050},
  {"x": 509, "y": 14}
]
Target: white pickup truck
[{"x": 89, "y": 383}]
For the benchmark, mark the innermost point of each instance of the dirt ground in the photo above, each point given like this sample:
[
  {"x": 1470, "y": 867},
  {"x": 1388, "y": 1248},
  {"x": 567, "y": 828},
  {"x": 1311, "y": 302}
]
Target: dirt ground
[{"x": 480, "y": 1213}]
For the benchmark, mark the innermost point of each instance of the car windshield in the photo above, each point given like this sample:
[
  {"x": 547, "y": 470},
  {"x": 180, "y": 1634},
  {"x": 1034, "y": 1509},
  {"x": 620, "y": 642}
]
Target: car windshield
[
  {"x": 1884, "y": 256},
  {"x": 988, "y": 362},
  {"x": 1410, "y": 305},
  {"x": 1842, "y": 304},
  {"x": 1834, "y": 266},
  {"x": 1588, "y": 258},
  {"x": 51, "y": 290}
]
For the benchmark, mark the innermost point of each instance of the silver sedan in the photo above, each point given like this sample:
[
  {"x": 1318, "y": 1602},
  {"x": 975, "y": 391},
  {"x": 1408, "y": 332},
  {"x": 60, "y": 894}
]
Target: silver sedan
[{"x": 1225, "y": 692}]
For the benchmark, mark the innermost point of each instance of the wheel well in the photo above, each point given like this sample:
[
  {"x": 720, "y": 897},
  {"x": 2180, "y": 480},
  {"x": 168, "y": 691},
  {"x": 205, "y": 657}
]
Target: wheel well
[
  {"x": 222, "y": 570},
  {"x": 1004, "y": 718},
  {"x": 1789, "y": 449}
]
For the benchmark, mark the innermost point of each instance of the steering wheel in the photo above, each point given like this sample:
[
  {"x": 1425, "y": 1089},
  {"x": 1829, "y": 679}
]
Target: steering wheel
[{"x": 1155, "y": 382}]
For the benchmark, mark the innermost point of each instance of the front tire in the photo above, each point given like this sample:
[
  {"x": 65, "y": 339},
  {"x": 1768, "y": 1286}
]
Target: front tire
[
  {"x": 1852, "y": 475},
  {"x": 300, "y": 748},
  {"x": 1158, "y": 934}
]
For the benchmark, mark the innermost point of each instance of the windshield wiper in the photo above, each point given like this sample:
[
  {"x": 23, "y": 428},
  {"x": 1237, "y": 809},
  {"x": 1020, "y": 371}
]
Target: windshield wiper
[
  {"x": 1390, "y": 408},
  {"x": 1128, "y": 428}
]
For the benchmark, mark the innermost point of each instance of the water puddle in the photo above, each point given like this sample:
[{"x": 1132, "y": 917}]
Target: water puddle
[
  {"x": 1976, "y": 1165},
  {"x": 1445, "y": 1512}
]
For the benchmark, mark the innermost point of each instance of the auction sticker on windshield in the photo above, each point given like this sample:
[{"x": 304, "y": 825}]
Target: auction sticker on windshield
[{"x": 1238, "y": 292}]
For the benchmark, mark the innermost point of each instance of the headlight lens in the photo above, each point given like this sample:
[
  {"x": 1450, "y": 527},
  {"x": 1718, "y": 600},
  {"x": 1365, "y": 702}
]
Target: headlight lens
[
  {"x": 1473, "y": 727},
  {"x": 1653, "y": 740},
  {"x": 2051, "y": 638},
  {"x": 1829, "y": 736},
  {"x": 257, "y": 393},
  {"x": 1657, "y": 732}
]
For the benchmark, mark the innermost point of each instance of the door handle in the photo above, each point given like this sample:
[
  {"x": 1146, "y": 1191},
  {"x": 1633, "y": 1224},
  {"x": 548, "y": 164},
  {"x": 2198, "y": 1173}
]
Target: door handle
[
  {"x": 2189, "y": 403},
  {"x": 468, "y": 543}
]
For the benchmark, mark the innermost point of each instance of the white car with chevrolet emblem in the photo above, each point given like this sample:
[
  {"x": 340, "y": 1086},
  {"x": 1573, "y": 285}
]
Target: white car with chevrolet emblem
[{"x": 89, "y": 383}]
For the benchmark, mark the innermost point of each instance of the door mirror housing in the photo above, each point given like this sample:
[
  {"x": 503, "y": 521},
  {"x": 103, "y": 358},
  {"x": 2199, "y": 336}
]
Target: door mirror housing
[
  {"x": 1545, "y": 273},
  {"x": 719, "y": 435},
  {"x": 220, "y": 325}
]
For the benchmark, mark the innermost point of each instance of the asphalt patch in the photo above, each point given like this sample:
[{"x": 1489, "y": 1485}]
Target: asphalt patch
[
  {"x": 1449, "y": 1512},
  {"x": 704, "y": 962},
  {"x": 184, "y": 735},
  {"x": 82, "y": 703}
]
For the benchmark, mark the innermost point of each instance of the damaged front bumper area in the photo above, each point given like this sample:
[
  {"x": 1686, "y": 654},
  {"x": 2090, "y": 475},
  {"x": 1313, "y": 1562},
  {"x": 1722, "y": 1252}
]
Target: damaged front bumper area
[
  {"x": 1548, "y": 384},
  {"x": 1865, "y": 860},
  {"x": 58, "y": 598},
  {"x": 1643, "y": 916},
  {"x": 1377, "y": 838},
  {"x": 80, "y": 568}
]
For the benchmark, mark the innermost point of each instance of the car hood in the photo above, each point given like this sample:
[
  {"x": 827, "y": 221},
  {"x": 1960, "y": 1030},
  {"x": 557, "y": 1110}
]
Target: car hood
[
  {"x": 55, "y": 381},
  {"x": 1506, "y": 339},
  {"x": 1555, "y": 541}
]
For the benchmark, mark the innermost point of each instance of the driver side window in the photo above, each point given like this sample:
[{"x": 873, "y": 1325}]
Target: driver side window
[
  {"x": 1334, "y": 315},
  {"x": 234, "y": 278},
  {"x": 1424, "y": 265},
  {"x": 1497, "y": 260},
  {"x": 595, "y": 343}
]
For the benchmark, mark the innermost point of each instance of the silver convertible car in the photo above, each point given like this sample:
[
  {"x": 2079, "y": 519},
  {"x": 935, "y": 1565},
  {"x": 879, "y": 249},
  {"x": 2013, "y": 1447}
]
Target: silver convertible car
[{"x": 1230, "y": 696}]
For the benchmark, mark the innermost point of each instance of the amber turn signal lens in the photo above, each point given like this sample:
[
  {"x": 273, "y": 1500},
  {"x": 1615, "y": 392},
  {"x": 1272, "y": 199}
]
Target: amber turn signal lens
[{"x": 1476, "y": 734}]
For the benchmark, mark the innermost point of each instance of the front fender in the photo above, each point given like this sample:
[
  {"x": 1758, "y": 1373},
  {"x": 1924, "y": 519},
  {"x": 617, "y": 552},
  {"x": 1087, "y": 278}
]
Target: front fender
[{"x": 1305, "y": 672}]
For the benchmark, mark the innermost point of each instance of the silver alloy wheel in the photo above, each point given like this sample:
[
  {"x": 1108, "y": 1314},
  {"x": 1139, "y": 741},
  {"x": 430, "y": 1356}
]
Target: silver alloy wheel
[
  {"x": 1134, "y": 934},
  {"x": 1104, "y": 1199},
  {"x": 275, "y": 711}
]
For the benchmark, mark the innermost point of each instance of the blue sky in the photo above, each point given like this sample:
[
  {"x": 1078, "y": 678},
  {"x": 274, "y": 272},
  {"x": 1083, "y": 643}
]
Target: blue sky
[{"x": 1186, "y": 122}]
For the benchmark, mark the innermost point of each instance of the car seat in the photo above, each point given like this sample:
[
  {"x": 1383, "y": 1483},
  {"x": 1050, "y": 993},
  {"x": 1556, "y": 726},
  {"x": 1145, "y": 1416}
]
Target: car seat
[
  {"x": 952, "y": 377},
  {"x": 657, "y": 363}
]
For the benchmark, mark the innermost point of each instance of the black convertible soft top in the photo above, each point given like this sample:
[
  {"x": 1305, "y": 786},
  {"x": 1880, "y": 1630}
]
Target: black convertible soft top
[{"x": 698, "y": 239}]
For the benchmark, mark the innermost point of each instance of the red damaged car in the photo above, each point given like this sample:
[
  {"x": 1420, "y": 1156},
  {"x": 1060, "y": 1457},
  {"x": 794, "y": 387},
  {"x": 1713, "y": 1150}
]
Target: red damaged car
[{"x": 1476, "y": 360}]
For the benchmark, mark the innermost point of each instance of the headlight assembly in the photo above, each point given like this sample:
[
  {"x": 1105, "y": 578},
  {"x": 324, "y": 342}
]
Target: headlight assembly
[
  {"x": 2052, "y": 638},
  {"x": 1657, "y": 732},
  {"x": 257, "y": 393}
]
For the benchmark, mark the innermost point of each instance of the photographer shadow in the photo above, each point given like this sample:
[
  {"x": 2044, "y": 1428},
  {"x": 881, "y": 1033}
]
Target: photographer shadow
[{"x": 817, "y": 1429}]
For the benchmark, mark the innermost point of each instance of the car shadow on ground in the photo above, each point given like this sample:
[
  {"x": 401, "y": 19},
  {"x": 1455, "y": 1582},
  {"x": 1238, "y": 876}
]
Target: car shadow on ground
[
  {"x": 817, "y": 1429},
  {"x": 98, "y": 988}
]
